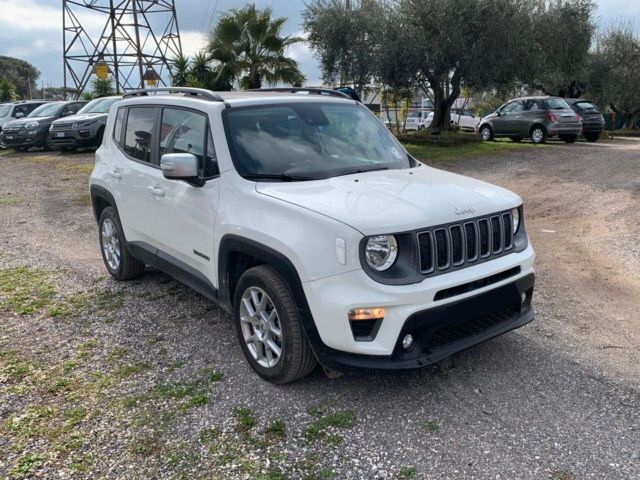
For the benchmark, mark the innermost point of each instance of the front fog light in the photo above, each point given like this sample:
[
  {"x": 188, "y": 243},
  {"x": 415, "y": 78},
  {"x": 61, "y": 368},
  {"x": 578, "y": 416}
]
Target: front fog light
[
  {"x": 367, "y": 314},
  {"x": 515, "y": 215},
  {"x": 407, "y": 341},
  {"x": 381, "y": 252}
]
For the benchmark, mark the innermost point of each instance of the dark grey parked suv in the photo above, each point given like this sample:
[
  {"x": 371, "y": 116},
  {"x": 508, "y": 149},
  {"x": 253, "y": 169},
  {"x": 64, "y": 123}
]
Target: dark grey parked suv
[
  {"x": 85, "y": 129},
  {"x": 537, "y": 118}
]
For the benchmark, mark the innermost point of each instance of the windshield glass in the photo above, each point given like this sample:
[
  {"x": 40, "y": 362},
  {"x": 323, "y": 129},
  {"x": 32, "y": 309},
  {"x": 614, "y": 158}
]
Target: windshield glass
[
  {"x": 46, "y": 110},
  {"x": 310, "y": 141},
  {"x": 556, "y": 104},
  {"x": 99, "y": 105},
  {"x": 4, "y": 110}
]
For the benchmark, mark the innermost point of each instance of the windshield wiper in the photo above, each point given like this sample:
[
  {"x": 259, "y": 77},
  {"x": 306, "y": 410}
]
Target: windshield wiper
[
  {"x": 283, "y": 177},
  {"x": 361, "y": 170}
]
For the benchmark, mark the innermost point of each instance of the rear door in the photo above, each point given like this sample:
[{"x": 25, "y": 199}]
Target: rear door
[{"x": 134, "y": 172}]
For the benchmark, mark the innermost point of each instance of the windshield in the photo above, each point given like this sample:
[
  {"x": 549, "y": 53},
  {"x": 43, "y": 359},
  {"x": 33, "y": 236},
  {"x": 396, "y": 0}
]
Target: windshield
[
  {"x": 46, "y": 110},
  {"x": 99, "y": 105},
  {"x": 309, "y": 141},
  {"x": 4, "y": 110},
  {"x": 556, "y": 104}
]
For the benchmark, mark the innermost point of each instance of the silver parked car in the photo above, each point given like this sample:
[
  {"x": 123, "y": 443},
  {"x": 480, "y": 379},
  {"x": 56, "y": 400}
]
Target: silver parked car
[{"x": 537, "y": 118}]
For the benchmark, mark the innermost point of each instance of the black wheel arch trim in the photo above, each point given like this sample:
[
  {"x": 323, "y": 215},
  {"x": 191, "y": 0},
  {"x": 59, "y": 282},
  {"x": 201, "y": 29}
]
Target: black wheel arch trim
[
  {"x": 100, "y": 193},
  {"x": 230, "y": 244}
]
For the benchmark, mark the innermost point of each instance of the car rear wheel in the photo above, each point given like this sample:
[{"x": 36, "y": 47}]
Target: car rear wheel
[
  {"x": 538, "y": 134},
  {"x": 592, "y": 137},
  {"x": 569, "y": 138},
  {"x": 486, "y": 133},
  {"x": 269, "y": 328},
  {"x": 119, "y": 262}
]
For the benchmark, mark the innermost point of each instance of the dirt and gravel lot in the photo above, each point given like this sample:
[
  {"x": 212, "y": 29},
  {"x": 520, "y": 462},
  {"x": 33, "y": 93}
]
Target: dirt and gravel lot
[{"x": 146, "y": 380}]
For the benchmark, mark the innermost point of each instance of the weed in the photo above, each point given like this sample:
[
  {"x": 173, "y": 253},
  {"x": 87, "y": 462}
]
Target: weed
[
  {"x": 276, "y": 429},
  {"x": 28, "y": 464},
  {"x": 7, "y": 200},
  {"x": 431, "y": 426},
  {"x": 245, "y": 418},
  {"x": 25, "y": 290},
  {"x": 408, "y": 472},
  {"x": 344, "y": 419},
  {"x": 209, "y": 435}
]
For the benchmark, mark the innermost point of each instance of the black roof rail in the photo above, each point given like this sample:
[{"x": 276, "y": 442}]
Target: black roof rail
[
  {"x": 316, "y": 91},
  {"x": 195, "y": 92}
]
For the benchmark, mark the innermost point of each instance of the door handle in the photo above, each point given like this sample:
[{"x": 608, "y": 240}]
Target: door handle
[
  {"x": 115, "y": 174},
  {"x": 156, "y": 191}
]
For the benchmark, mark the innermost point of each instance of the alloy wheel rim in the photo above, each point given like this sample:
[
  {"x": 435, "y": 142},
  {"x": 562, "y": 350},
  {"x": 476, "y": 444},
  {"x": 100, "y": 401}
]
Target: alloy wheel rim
[
  {"x": 110, "y": 244},
  {"x": 486, "y": 134},
  {"x": 261, "y": 328}
]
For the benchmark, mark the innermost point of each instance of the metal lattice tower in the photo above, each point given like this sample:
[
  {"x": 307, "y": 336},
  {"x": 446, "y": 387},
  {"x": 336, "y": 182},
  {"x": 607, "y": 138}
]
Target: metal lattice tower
[{"x": 130, "y": 36}]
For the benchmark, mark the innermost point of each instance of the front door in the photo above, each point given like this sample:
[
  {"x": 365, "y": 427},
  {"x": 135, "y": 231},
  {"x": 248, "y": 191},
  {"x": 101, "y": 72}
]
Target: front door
[{"x": 183, "y": 213}]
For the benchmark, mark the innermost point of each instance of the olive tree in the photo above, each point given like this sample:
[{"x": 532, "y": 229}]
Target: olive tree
[
  {"x": 346, "y": 37},
  {"x": 613, "y": 73},
  {"x": 481, "y": 44}
]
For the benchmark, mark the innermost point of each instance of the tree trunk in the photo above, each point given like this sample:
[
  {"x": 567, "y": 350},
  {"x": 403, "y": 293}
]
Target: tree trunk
[{"x": 442, "y": 102}]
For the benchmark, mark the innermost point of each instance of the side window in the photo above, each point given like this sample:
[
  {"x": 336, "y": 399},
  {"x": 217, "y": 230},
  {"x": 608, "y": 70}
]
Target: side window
[
  {"x": 117, "y": 129},
  {"x": 23, "y": 109},
  {"x": 70, "y": 109},
  {"x": 138, "y": 137},
  {"x": 513, "y": 107},
  {"x": 531, "y": 106}
]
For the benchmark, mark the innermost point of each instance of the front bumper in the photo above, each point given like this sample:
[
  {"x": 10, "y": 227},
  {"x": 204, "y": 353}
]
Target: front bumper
[
  {"x": 23, "y": 139},
  {"x": 440, "y": 325},
  {"x": 77, "y": 138}
]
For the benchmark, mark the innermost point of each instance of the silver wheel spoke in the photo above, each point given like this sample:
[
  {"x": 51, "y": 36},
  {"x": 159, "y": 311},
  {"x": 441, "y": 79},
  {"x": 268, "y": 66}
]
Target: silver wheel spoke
[
  {"x": 110, "y": 244},
  {"x": 260, "y": 326}
]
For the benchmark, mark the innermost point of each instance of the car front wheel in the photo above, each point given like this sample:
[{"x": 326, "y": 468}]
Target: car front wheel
[
  {"x": 269, "y": 329},
  {"x": 592, "y": 137},
  {"x": 486, "y": 133}
]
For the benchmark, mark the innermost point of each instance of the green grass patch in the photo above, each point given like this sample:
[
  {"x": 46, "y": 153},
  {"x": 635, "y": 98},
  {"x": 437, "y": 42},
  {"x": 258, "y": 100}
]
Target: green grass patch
[
  {"x": 431, "y": 426},
  {"x": 26, "y": 291},
  {"x": 439, "y": 153},
  {"x": 8, "y": 200},
  {"x": 408, "y": 472},
  {"x": 245, "y": 418},
  {"x": 28, "y": 464},
  {"x": 276, "y": 429},
  {"x": 317, "y": 429}
]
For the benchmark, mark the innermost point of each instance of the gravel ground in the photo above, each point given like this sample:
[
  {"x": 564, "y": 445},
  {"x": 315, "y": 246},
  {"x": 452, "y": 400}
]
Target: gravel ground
[{"x": 146, "y": 380}]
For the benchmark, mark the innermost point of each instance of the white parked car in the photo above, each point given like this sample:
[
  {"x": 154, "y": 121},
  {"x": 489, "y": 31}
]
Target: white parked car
[
  {"x": 464, "y": 119},
  {"x": 418, "y": 119},
  {"x": 303, "y": 217}
]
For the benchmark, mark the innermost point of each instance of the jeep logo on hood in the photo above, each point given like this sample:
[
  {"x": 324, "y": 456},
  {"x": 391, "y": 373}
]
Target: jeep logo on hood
[{"x": 464, "y": 210}]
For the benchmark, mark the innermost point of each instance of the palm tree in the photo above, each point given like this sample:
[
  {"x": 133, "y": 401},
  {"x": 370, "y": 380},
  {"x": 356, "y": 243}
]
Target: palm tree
[
  {"x": 246, "y": 46},
  {"x": 180, "y": 71}
]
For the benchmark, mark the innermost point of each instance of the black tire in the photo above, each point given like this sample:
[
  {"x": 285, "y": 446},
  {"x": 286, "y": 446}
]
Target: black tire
[
  {"x": 516, "y": 139},
  {"x": 486, "y": 133},
  {"x": 129, "y": 267},
  {"x": 592, "y": 137},
  {"x": 68, "y": 149},
  {"x": 296, "y": 359},
  {"x": 48, "y": 145},
  {"x": 538, "y": 134},
  {"x": 569, "y": 138}
]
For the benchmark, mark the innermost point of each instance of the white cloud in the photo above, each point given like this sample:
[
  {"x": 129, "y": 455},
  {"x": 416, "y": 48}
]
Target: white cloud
[
  {"x": 32, "y": 15},
  {"x": 192, "y": 42}
]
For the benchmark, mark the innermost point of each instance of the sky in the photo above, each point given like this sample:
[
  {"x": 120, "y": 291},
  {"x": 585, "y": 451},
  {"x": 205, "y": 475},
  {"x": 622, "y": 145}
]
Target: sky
[{"x": 32, "y": 29}]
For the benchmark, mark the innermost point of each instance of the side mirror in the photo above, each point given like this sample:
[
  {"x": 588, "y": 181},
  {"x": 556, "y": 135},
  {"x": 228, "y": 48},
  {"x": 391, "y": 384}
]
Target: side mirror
[
  {"x": 19, "y": 114},
  {"x": 180, "y": 166}
]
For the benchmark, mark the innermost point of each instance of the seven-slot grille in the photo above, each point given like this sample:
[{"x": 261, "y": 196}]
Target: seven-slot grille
[
  {"x": 462, "y": 244},
  {"x": 11, "y": 129},
  {"x": 63, "y": 126}
]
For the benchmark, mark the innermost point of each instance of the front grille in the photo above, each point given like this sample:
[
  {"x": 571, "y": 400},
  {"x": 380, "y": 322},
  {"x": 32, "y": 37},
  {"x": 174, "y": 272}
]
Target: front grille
[
  {"x": 461, "y": 244},
  {"x": 11, "y": 129},
  {"x": 455, "y": 333},
  {"x": 62, "y": 126}
]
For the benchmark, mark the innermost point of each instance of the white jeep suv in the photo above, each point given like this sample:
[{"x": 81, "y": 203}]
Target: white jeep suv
[{"x": 301, "y": 214}]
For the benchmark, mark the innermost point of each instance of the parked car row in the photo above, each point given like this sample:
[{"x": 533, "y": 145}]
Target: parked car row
[
  {"x": 54, "y": 125},
  {"x": 539, "y": 118},
  {"x": 536, "y": 118}
]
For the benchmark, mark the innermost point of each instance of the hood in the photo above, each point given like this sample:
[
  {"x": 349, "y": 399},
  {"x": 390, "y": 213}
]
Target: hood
[
  {"x": 395, "y": 201},
  {"x": 23, "y": 121},
  {"x": 81, "y": 117}
]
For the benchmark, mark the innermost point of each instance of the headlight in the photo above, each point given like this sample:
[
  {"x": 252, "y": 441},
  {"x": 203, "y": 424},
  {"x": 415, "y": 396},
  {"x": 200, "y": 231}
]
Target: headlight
[
  {"x": 31, "y": 125},
  {"x": 86, "y": 123},
  {"x": 381, "y": 252},
  {"x": 515, "y": 215}
]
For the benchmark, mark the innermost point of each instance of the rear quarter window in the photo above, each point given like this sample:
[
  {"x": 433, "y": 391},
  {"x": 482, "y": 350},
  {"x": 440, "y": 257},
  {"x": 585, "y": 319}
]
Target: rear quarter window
[{"x": 117, "y": 128}]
